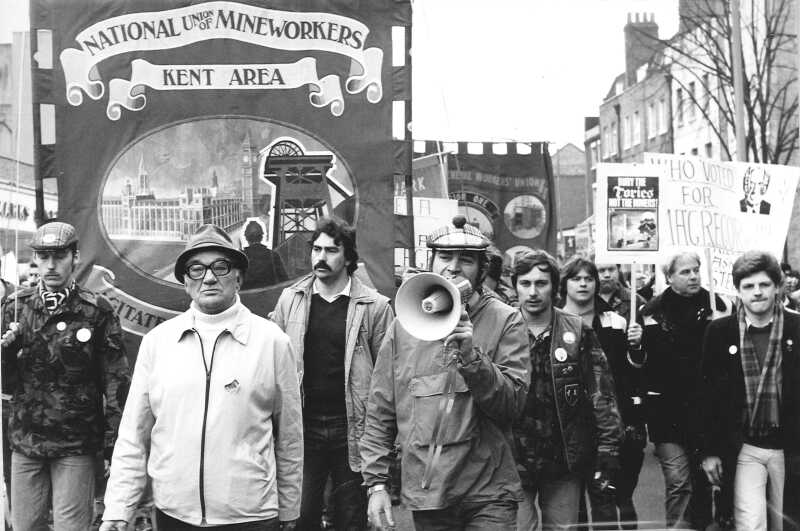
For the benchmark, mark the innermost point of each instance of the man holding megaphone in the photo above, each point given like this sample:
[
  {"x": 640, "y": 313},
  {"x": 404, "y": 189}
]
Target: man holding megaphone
[{"x": 451, "y": 377}]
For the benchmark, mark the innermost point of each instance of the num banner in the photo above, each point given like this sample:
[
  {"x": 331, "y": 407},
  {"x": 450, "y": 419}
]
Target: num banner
[
  {"x": 506, "y": 190},
  {"x": 257, "y": 116}
]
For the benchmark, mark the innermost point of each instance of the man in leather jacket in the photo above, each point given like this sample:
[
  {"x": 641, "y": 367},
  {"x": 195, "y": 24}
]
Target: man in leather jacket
[{"x": 571, "y": 426}]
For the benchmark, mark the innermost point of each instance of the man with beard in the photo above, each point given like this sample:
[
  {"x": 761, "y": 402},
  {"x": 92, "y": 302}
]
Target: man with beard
[
  {"x": 622, "y": 346},
  {"x": 336, "y": 325},
  {"x": 675, "y": 322},
  {"x": 613, "y": 293},
  {"x": 571, "y": 427},
  {"x": 450, "y": 405}
]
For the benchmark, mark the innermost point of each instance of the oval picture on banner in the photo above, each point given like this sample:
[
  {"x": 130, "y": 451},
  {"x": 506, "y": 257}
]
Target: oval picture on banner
[
  {"x": 525, "y": 216},
  {"x": 265, "y": 183}
]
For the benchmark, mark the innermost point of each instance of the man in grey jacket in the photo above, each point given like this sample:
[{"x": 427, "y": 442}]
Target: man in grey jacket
[
  {"x": 336, "y": 325},
  {"x": 451, "y": 405},
  {"x": 213, "y": 415}
]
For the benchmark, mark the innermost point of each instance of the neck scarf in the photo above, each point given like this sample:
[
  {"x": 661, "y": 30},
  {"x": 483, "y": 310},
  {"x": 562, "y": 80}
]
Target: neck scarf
[
  {"x": 762, "y": 383},
  {"x": 53, "y": 299}
]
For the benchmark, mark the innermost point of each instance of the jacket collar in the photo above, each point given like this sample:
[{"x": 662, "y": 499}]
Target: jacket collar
[
  {"x": 358, "y": 291},
  {"x": 241, "y": 329}
]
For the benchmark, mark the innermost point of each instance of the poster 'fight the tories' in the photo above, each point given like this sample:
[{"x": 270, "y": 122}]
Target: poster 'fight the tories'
[{"x": 257, "y": 116}]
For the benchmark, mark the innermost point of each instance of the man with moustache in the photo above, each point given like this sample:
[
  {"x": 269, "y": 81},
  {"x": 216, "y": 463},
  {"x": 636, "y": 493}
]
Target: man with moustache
[
  {"x": 213, "y": 419},
  {"x": 336, "y": 325},
  {"x": 571, "y": 426},
  {"x": 621, "y": 344},
  {"x": 613, "y": 293},
  {"x": 750, "y": 396},
  {"x": 674, "y": 324},
  {"x": 450, "y": 405}
]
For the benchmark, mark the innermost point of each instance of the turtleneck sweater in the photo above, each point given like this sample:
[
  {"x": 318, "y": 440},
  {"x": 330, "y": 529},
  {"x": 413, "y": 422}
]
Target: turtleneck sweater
[{"x": 209, "y": 326}]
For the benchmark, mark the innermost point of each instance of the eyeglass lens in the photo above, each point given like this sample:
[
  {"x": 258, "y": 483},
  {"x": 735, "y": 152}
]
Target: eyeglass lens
[{"x": 220, "y": 268}]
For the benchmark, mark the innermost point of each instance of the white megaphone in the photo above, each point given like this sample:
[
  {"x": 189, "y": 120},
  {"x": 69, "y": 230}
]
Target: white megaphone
[{"x": 429, "y": 306}]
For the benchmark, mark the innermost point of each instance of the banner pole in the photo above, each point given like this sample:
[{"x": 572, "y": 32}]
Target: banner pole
[
  {"x": 709, "y": 272},
  {"x": 633, "y": 293}
]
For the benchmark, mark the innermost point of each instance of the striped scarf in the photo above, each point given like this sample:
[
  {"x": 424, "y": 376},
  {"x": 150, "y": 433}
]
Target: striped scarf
[
  {"x": 53, "y": 299},
  {"x": 762, "y": 383}
]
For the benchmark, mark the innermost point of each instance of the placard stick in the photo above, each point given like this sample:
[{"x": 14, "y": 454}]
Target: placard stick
[
  {"x": 633, "y": 293},
  {"x": 712, "y": 299}
]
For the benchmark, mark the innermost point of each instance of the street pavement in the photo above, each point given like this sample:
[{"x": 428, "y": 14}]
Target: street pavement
[{"x": 648, "y": 498}]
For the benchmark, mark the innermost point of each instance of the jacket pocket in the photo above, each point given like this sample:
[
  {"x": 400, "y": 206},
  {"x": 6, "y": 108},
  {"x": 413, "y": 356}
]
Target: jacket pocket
[{"x": 459, "y": 424}]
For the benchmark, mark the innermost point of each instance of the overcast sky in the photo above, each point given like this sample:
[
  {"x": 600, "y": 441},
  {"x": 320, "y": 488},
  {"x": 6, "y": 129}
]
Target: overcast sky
[{"x": 522, "y": 70}]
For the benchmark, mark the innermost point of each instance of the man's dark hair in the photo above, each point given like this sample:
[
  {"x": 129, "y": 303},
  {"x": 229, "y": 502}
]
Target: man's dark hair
[
  {"x": 542, "y": 260},
  {"x": 495, "y": 266},
  {"x": 343, "y": 234},
  {"x": 253, "y": 232},
  {"x": 752, "y": 262},
  {"x": 572, "y": 268}
]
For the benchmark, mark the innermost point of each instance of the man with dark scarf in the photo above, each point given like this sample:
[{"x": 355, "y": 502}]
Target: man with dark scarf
[
  {"x": 749, "y": 394},
  {"x": 64, "y": 364},
  {"x": 674, "y": 324}
]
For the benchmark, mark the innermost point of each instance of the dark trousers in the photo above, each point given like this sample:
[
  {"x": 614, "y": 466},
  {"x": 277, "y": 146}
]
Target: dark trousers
[
  {"x": 168, "y": 523},
  {"x": 326, "y": 455},
  {"x": 499, "y": 516},
  {"x": 605, "y": 504}
]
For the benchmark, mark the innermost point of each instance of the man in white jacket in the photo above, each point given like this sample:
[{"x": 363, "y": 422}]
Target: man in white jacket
[{"x": 213, "y": 417}]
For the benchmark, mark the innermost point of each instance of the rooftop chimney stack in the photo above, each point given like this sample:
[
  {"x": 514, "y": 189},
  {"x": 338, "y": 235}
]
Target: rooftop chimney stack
[{"x": 641, "y": 37}]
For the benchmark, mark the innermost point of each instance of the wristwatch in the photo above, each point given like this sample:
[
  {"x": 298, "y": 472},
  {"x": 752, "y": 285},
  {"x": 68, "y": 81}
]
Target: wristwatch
[{"x": 375, "y": 488}]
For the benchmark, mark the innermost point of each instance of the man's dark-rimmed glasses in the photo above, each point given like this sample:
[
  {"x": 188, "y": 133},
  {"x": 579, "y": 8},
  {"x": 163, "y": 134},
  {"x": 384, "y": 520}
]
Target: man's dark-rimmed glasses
[{"x": 197, "y": 271}]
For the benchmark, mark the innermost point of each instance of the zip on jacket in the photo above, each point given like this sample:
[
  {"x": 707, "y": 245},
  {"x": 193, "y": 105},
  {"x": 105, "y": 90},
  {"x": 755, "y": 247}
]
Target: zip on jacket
[{"x": 207, "y": 367}]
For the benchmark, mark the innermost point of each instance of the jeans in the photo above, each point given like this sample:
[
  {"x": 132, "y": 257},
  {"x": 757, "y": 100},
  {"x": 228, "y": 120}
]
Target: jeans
[
  {"x": 164, "y": 522},
  {"x": 325, "y": 443},
  {"x": 70, "y": 481},
  {"x": 758, "y": 487},
  {"x": 558, "y": 499},
  {"x": 498, "y": 515},
  {"x": 688, "y": 493}
]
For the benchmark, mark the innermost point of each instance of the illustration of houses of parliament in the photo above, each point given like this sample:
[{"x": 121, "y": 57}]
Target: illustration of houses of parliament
[{"x": 138, "y": 214}]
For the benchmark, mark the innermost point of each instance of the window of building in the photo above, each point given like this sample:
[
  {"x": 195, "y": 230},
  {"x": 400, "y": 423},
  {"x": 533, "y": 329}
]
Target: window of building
[
  {"x": 651, "y": 120},
  {"x": 604, "y": 141},
  {"x": 706, "y": 93},
  {"x": 424, "y": 207},
  {"x": 709, "y": 150},
  {"x": 637, "y": 129},
  {"x": 679, "y": 106},
  {"x": 614, "y": 138},
  {"x": 691, "y": 102},
  {"x": 694, "y": 151},
  {"x": 626, "y": 132},
  {"x": 422, "y": 240},
  {"x": 661, "y": 118}
]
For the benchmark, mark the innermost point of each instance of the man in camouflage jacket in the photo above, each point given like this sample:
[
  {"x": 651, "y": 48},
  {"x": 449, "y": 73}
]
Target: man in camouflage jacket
[{"x": 62, "y": 356}]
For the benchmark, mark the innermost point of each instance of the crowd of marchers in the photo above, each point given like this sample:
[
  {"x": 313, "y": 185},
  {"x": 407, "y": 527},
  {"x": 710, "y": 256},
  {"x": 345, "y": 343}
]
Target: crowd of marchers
[{"x": 535, "y": 410}]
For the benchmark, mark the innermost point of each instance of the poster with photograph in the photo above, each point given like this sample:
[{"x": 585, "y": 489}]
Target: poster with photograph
[
  {"x": 724, "y": 208},
  {"x": 628, "y": 213},
  {"x": 259, "y": 116}
]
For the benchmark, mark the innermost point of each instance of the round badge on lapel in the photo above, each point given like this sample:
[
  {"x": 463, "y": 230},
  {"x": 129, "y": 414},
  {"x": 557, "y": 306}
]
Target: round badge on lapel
[
  {"x": 61, "y": 326},
  {"x": 561, "y": 354},
  {"x": 733, "y": 349},
  {"x": 83, "y": 335},
  {"x": 569, "y": 338}
]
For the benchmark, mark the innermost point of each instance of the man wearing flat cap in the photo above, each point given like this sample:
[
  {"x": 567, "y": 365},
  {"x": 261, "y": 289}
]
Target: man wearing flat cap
[
  {"x": 63, "y": 357},
  {"x": 213, "y": 416},
  {"x": 450, "y": 405}
]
